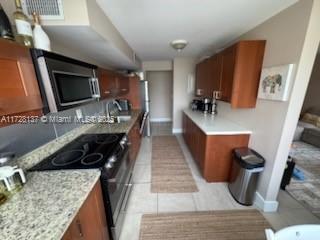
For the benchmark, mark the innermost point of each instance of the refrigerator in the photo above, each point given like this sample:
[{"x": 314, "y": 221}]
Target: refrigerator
[{"x": 145, "y": 106}]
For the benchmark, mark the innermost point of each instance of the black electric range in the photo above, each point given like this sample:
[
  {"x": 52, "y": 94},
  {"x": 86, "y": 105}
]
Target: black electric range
[{"x": 110, "y": 154}]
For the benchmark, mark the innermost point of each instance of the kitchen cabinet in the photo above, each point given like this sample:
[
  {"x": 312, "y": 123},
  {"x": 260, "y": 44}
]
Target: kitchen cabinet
[
  {"x": 19, "y": 89},
  {"x": 235, "y": 72},
  {"x": 214, "y": 72},
  {"x": 208, "y": 76},
  {"x": 107, "y": 83},
  {"x": 201, "y": 78},
  {"x": 212, "y": 153},
  {"x": 90, "y": 222},
  {"x": 134, "y": 94},
  {"x": 112, "y": 84},
  {"x": 135, "y": 139},
  {"x": 228, "y": 57},
  {"x": 123, "y": 85}
]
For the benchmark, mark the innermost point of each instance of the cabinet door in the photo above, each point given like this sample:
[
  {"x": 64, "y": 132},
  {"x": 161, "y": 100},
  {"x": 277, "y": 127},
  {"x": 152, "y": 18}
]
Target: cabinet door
[
  {"x": 201, "y": 148},
  {"x": 92, "y": 216},
  {"x": 133, "y": 94},
  {"x": 135, "y": 140},
  {"x": 228, "y": 66},
  {"x": 215, "y": 70},
  {"x": 124, "y": 85},
  {"x": 201, "y": 76},
  {"x": 74, "y": 231},
  {"x": 19, "y": 90},
  {"x": 184, "y": 127},
  {"x": 107, "y": 82},
  {"x": 90, "y": 223}
]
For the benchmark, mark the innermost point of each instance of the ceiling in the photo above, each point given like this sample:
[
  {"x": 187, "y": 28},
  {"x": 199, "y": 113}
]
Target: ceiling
[{"x": 150, "y": 25}]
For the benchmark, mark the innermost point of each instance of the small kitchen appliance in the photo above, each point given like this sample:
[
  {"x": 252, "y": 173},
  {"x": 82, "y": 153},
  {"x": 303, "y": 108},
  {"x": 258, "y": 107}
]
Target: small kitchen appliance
[
  {"x": 64, "y": 82},
  {"x": 11, "y": 179},
  {"x": 125, "y": 104},
  {"x": 110, "y": 154}
]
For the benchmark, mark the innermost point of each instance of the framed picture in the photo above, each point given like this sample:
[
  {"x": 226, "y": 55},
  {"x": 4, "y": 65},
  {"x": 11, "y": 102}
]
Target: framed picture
[{"x": 275, "y": 82}]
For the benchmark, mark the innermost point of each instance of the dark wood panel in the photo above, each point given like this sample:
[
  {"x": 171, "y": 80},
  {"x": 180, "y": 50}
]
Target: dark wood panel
[
  {"x": 247, "y": 73},
  {"x": 219, "y": 155},
  {"x": 90, "y": 222},
  {"x": 135, "y": 139},
  {"x": 134, "y": 94},
  {"x": 228, "y": 63},
  {"x": 108, "y": 83},
  {"x": 19, "y": 90}
]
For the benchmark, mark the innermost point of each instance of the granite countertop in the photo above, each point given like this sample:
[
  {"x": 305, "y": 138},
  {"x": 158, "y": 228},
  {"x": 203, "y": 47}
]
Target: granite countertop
[
  {"x": 46, "y": 205},
  {"x": 116, "y": 127},
  {"x": 49, "y": 201},
  {"x": 215, "y": 125}
]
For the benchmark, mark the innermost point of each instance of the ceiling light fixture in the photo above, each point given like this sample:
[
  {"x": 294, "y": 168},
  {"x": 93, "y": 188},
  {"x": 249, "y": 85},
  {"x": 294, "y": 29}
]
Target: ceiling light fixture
[{"x": 179, "y": 44}]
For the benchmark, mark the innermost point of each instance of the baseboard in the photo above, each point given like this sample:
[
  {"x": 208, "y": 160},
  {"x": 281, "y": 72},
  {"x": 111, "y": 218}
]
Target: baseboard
[
  {"x": 266, "y": 206},
  {"x": 177, "y": 130},
  {"x": 160, "y": 120}
]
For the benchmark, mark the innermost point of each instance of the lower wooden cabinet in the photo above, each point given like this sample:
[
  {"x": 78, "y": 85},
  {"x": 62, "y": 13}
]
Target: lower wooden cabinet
[
  {"x": 212, "y": 153},
  {"x": 135, "y": 139},
  {"x": 90, "y": 223}
]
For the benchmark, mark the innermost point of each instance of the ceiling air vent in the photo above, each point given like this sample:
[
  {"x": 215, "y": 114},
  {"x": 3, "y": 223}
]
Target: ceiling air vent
[{"x": 47, "y": 9}]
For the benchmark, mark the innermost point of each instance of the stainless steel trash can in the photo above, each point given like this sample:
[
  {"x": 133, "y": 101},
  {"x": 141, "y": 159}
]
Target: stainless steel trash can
[{"x": 246, "y": 167}]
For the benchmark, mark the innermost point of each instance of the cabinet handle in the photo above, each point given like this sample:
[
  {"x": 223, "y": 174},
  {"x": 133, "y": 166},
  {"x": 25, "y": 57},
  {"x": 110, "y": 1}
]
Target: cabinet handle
[
  {"x": 106, "y": 92},
  {"x": 123, "y": 89},
  {"x": 79, "y": 228}
]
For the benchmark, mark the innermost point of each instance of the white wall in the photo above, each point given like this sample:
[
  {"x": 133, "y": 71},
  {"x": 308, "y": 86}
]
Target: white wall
[
  {"x": 75, "y": 53},
  {"x": 160, "y": 91},
  {"x": 182, "y": 67},
  {"x": 312, "y": 99},
  {"x": 157, "y": 65},
  {"x": 273, "y": 122}
]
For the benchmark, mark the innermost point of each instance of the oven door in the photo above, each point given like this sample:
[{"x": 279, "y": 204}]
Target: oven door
[{"x": 118, "y": 189}]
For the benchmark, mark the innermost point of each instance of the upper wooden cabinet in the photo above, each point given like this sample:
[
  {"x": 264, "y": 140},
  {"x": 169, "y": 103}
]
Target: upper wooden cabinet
[
  {"x": 90, "y": 222},
  {"x": 235, "y": 72},
  {"x": 19, "y": 90},
  {"x": 228, "y": 58},
  {"x": 112, "y": 84},
  {"x": 202, "y": 78},
  {"x": 123, "y": 85},
  {"x": 134, "y": 94}
]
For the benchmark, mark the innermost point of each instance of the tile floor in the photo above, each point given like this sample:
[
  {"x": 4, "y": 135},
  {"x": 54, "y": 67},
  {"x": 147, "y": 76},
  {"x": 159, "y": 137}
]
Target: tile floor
[
  {"x": 161, "y": 128},
  {"x": 211, "y": 196}
]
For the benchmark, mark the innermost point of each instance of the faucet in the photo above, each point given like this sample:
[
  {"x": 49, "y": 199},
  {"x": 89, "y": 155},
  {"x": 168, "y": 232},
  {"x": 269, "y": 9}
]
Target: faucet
[{"x": 114, "y": 102}]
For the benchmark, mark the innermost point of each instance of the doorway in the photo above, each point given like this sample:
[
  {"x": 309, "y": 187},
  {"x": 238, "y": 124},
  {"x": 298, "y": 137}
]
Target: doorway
[
  {"x": 304, "y": 156},
  {"x": 161, "y": 101}
]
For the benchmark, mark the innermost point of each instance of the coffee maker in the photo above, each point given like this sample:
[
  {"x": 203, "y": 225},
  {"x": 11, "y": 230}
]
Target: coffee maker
[
  {"x": 206, "y": 105},
  {"x": 203, "y": 105}
]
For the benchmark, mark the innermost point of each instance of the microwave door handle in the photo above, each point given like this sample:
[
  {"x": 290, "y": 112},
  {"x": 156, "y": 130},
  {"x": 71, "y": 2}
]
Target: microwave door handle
[{"x": 95, "y": 88}]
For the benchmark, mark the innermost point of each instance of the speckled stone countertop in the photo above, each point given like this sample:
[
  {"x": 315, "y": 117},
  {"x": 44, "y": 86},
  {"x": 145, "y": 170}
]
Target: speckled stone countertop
[
  {"x": 49, "y": 201},
  {"x": 46, "y": 205}
]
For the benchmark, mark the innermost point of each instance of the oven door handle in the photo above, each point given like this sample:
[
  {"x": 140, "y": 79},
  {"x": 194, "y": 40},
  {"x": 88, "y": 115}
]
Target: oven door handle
[{"x": 144, "y": 122}]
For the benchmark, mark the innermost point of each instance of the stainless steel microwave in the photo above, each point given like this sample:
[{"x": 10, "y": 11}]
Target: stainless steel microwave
[{"x": 64, "y": 82}]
